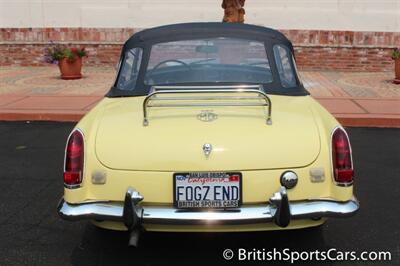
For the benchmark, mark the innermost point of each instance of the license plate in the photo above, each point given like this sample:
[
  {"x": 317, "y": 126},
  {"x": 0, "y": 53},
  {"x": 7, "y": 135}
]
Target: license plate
[{"x": 207, "y": 190}]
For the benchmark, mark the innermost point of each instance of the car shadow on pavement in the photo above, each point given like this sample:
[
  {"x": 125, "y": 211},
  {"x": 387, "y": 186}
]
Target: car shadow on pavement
[{"x": 106, "y": 247}]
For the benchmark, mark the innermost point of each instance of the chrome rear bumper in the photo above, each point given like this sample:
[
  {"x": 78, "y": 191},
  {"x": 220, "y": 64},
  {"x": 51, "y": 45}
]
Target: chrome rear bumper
[{"x": 279, "y": 210}]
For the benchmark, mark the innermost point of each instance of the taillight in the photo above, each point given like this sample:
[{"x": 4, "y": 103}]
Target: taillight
[
  {"x": 74, "y": 160},
  {"x": 341, "y": 158}
]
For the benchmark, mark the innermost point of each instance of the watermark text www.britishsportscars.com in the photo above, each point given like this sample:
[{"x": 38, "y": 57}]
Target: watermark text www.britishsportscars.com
[{"x": 292, "y": 256}]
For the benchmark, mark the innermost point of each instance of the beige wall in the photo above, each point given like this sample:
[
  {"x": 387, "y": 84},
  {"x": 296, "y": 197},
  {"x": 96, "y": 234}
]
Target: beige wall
[{"x": 355, "y": 15}]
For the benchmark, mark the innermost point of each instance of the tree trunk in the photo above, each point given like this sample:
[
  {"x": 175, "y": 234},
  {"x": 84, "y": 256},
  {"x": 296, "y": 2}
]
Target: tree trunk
[{"x": 233, "y": 11}]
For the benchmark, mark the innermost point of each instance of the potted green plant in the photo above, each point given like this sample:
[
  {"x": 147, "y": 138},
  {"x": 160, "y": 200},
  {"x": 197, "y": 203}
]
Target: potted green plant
[
  {"x": 396, "y": 58},
  {"x": 69, "y": 59}
]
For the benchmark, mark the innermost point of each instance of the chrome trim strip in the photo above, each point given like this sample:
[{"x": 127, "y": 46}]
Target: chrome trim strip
[
  {"x": 204, "y": 105},
  {"x": 156, "y": 90},
  {"x": 249, "y": 214},
  {"x": 210, "y": 98},
  {"x": 91, "y": 210},
  {"x": 344, "y": 184}
]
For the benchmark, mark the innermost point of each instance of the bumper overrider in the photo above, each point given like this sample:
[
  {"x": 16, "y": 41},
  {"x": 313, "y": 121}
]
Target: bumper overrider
[{"x": 134, "y": 215}]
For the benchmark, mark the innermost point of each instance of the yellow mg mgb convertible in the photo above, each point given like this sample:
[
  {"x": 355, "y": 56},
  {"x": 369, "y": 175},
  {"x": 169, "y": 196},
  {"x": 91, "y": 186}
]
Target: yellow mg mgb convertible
[{"x": 207, "y": 128}]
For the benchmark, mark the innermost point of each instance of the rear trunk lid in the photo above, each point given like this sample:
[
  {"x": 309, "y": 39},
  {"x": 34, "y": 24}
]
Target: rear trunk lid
[{"x": 239, "y": 136}]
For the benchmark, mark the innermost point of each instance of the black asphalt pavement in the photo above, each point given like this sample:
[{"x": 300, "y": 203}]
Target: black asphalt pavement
[{"x": 31, "y": 233}]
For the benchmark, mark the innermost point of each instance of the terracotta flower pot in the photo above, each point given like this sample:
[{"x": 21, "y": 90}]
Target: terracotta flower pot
[
  {"x": 397, "y": 71},
  {"x": 70, "y": 70}
]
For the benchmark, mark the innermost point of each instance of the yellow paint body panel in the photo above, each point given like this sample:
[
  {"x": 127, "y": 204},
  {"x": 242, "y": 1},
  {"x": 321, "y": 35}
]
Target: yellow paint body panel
[
  {"x": 145, "y": 158},
  {"x": 174, "y": 139}
]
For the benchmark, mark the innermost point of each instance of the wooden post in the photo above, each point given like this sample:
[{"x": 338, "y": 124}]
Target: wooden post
[{"x": 233, "y": 11}]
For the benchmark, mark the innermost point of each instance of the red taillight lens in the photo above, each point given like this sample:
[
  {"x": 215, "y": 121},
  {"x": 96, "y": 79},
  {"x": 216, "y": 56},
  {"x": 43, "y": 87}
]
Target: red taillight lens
[
  {"x": 74, "y": 159},
  {"x": 341, "y": 157}
]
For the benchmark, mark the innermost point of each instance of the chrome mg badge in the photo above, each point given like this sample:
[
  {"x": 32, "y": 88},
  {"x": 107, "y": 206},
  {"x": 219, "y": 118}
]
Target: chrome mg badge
[
  {"x": 207, "y": 148},
  {"x": 207, "y": 116}
]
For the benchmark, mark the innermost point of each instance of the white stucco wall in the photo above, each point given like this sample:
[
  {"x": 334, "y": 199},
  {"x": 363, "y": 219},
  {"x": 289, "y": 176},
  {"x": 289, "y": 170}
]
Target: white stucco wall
[{"x": 357, "y": 15}]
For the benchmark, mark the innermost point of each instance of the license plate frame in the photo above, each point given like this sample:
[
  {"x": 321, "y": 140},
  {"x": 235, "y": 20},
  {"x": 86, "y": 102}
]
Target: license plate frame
[{"x": 205, "y": 175}]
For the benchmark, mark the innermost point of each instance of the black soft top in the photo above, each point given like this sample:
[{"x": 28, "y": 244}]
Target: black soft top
[
  {"x": 189, "y": 31},
  {"x": 201, "y": 30}
]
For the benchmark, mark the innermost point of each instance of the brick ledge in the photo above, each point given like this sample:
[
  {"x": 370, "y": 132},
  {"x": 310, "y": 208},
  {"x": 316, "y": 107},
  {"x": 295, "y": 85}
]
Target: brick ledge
[{"x": 121, "y": 43}]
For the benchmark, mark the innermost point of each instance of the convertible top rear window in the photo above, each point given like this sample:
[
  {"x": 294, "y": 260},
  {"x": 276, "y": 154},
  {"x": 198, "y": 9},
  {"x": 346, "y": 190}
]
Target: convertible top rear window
[
  {"x": 208, "y": 60},
  {"x": 130, "y": 69},
  {"x": 283, "y": 63}
]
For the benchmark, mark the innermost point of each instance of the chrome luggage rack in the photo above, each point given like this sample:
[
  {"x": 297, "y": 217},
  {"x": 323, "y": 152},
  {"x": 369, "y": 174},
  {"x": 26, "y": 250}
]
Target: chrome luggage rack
[{"x": 157, "y": 90}]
